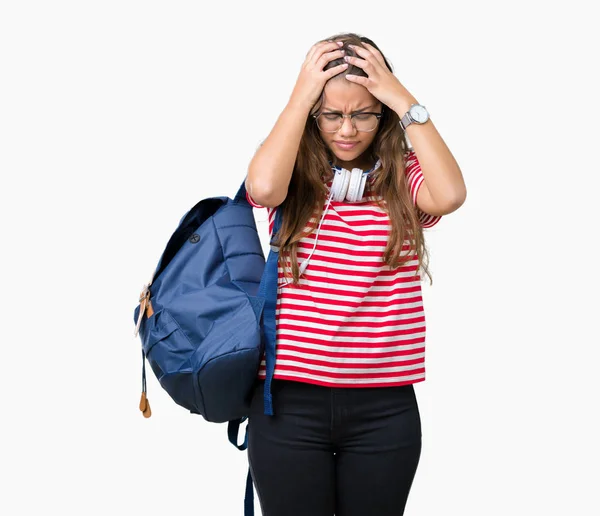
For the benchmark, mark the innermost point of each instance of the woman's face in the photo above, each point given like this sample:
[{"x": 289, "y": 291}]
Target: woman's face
[{"x": 347, "y": 97}]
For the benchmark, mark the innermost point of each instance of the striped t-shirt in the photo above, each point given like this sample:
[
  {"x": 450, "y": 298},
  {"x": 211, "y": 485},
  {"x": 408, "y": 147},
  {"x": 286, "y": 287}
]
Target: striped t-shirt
[{"x": 351, "y": 321}]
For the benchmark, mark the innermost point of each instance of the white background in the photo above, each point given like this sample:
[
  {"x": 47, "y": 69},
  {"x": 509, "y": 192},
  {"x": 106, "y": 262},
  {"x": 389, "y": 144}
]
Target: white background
[{"x": 117, "y": 117}]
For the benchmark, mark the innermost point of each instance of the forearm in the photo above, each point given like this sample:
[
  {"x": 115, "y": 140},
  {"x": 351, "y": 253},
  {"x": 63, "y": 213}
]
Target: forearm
[
  {"x": 441, "y": 172},
  {"x": 270, "y": 170}
]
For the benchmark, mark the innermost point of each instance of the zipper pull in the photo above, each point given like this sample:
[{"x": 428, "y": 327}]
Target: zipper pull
[{"x": 144, "y": 403}]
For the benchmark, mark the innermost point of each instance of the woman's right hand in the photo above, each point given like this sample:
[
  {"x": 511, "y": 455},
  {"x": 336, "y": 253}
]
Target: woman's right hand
[{"x": 312, "y": 78}]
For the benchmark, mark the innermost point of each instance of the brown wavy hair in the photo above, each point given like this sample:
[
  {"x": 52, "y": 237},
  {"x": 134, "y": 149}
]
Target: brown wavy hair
[{"x": 307, "y": 191}]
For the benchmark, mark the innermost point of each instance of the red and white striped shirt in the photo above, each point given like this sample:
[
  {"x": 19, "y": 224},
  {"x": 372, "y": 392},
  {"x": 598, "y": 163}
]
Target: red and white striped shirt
[{"x": 351, "y": 321}]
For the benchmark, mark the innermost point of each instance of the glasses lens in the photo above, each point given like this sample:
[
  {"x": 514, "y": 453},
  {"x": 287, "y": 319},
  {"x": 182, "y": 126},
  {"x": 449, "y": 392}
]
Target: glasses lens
[
  {"x": 331, "y": 122},
  {"x": 365, "y": 122}
]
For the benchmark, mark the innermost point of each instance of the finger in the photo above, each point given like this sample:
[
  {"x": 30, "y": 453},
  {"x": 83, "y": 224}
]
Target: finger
[
  {"x": 376, "y": 53},
  {"x": 320, "y": 48},
  {"x": 360, "y": 50},
  {"x": 315, "y": 47},
  {"x": 336, "y": 69},
  {"x": 329, "y": 56},
  {"x": 358, "y": 79},
  {"x": 361, "y": 63},
  {"x": 368, "y": 58}
]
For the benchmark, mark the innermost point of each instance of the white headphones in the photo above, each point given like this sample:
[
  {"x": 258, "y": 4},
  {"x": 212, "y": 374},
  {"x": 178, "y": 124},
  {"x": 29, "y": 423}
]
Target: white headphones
[
  {"x": 346, "y": 185},
  {"x": 349, "y": 185}
]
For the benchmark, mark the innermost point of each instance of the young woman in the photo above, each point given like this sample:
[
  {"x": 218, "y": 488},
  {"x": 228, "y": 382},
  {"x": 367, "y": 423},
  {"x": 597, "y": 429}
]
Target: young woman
[{"x": 345, "y": 436}]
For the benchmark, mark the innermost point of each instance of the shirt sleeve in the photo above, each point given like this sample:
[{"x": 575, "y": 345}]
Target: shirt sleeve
[
  {"x": 270, "y": 212},
  {"x": 415, "y": 180},
  {"x": 252, "y": 202}
]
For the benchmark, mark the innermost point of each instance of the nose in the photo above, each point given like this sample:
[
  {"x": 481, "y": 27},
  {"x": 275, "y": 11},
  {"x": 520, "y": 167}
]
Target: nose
[{"x": 347, "y": 126}]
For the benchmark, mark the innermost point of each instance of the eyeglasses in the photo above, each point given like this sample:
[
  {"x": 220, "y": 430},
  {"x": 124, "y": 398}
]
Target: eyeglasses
[{"x": 332, "y": 122}]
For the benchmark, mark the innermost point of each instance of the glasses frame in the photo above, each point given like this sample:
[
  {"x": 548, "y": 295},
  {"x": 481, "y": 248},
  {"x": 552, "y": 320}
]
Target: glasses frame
[{"x": 352, "y": 121}]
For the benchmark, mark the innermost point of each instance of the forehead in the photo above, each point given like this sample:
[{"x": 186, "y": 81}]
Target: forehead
[{"x": 347, "y": 96}]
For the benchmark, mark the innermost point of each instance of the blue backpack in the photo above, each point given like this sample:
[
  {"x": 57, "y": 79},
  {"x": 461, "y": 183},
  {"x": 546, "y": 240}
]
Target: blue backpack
[{"x": 208, "y": 314}]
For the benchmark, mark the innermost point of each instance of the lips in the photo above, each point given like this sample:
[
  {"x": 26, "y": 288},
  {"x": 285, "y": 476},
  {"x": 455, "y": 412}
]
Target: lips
[{"x": 345, "y": 145}]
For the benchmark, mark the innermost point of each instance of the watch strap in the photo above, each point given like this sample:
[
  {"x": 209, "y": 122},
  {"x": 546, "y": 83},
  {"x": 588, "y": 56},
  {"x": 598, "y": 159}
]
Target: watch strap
[{"x": 406, "y": 120}]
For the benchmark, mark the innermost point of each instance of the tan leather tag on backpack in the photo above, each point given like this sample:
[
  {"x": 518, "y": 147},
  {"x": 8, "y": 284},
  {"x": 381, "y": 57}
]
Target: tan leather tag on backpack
[
  {"x": 143, "y": 402},
  {"x": 145, "y": 405}
]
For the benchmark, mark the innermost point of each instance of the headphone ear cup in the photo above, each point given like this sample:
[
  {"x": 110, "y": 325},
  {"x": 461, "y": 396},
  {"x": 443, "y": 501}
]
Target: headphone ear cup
[
  {"x": 355, "y": 190},
  {"x": 363, "y": 183},
  {"x": 339, "y": 187}
]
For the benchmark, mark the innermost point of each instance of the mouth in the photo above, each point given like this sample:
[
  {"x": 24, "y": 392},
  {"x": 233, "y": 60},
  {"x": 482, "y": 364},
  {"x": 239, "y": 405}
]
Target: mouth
[{"x": 345, "y": 145}]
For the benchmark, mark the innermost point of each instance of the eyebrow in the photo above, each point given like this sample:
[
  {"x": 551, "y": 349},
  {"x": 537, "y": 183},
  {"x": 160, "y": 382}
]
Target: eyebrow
[{"x": 357, "y": 111}]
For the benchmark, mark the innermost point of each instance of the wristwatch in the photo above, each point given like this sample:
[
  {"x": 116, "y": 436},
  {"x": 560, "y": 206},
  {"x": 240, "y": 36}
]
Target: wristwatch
[{"x": 416, "y": 113}]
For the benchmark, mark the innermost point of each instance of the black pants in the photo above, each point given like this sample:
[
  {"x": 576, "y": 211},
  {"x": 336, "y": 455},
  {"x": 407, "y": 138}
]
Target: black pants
[{"x": 334, "y": 450}]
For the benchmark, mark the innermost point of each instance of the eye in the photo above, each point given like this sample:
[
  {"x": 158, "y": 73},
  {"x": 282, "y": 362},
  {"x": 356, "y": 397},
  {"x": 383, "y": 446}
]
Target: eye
[
  {"x": 361, "y": 116},
  {"x": 331, "y": 116}
]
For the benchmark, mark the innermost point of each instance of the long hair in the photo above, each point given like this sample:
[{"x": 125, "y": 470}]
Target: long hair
[{"x": 307, "y": 192}]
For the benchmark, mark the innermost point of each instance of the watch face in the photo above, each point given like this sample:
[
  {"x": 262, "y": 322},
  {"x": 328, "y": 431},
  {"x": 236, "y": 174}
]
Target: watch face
[{"x": 419, "y": 113}]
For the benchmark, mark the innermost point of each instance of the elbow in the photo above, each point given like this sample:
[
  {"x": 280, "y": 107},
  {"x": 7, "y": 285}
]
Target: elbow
[
  {"x": 456, "y": 201},
  {"x": 262, "y": 194},
  {"x": 459, "y": 198}
]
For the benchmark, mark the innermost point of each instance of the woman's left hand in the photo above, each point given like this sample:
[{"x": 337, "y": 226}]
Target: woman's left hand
[{"x": 381, "y": 83}]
